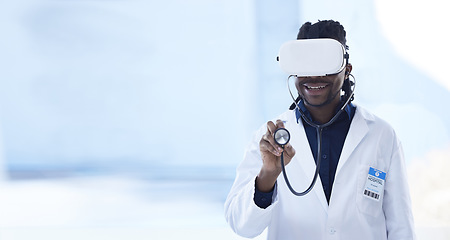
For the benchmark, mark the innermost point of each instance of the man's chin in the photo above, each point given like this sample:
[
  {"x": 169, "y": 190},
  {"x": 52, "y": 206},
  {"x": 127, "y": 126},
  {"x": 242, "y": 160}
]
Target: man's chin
[{"x": 316, "y": 103}]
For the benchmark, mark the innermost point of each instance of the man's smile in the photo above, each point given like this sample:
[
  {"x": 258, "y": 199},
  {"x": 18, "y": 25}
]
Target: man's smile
[{"x": 315, "y": 88}]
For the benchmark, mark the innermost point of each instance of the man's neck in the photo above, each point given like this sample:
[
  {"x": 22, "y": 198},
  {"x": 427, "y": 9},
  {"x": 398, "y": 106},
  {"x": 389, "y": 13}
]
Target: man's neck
[{"x": 323, "y": 114}]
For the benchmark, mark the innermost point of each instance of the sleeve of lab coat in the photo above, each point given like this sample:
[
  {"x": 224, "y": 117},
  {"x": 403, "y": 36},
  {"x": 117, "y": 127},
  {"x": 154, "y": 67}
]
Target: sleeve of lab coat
[
  {"x": 397, "y": 201},
  {"x": 242, "y": 214}
]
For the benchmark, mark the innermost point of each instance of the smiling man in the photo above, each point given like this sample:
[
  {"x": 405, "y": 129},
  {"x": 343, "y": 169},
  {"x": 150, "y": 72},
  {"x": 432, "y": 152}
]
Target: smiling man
[{"x": 362, "y": 192}]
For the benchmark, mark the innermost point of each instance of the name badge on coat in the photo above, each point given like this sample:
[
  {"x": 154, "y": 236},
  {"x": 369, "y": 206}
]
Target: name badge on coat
[{"x": 375, "y": 184}]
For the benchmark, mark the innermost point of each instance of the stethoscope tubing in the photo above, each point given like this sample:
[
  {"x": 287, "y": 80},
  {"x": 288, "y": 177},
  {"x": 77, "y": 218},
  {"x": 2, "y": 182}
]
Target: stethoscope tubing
[
  {"x": 319, "y": 159},
  {"x": 319, "y": 128}
]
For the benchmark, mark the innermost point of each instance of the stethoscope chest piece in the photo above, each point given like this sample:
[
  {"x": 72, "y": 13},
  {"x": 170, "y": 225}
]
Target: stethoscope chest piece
[{"x": 282, "y": 136}]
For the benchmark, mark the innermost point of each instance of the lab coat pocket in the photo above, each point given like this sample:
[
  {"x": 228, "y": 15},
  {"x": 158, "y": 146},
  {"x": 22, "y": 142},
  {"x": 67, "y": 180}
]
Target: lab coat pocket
[{"x": 366, "y": 204}]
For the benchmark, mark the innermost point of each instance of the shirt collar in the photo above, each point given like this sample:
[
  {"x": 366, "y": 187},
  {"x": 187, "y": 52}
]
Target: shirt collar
[{"x": 349, "y": 109}]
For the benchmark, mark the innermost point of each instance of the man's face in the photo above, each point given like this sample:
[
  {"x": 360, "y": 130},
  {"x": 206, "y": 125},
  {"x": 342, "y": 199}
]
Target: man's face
[{"x": 320, "y": 91}]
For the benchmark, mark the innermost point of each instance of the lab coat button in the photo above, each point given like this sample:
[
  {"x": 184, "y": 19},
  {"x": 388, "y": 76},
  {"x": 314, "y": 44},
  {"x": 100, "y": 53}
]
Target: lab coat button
[{"x": 332, "y": 230}]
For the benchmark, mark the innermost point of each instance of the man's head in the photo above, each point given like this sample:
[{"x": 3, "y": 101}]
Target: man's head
[
  {"x": 323, "y": 29},
  {"x": 320, "y": 91}
]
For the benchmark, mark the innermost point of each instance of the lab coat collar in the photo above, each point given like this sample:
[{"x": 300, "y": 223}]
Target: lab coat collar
[{"x": 358, "y": 130}]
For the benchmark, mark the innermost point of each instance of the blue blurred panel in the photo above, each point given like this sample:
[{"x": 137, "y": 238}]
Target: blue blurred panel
[{"x": 118, "y": 84}]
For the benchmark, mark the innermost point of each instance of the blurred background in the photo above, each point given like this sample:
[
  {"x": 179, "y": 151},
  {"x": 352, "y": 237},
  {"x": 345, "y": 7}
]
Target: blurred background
[{"x": 126, "y": 119}]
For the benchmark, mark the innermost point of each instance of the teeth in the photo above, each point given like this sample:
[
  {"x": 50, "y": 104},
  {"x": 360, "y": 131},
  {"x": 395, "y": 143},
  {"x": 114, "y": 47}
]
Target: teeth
[{"x": 319, "y": 87}]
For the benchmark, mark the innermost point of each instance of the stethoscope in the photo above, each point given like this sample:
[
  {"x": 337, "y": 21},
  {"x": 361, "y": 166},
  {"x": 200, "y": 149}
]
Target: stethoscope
[{"x": 282, "y": 137}]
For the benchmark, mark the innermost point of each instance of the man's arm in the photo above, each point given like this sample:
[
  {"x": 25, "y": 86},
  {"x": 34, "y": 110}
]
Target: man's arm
[{"x": 259, "y": 170}]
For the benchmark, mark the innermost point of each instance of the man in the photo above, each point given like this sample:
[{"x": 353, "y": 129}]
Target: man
[{"x": 356, "y": 149}]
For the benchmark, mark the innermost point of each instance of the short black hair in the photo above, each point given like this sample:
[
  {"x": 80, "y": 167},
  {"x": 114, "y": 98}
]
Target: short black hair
[{"x": 323, "y": 29}]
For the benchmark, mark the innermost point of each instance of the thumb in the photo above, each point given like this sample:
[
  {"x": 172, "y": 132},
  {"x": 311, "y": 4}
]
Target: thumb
[{"x": 289, "y": 150}]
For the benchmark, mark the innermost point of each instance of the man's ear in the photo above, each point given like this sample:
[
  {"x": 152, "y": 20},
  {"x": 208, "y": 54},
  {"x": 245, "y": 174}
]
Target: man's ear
[{"x": 348, "y": 69}]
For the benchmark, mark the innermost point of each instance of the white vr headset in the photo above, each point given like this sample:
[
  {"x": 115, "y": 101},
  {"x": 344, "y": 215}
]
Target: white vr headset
[{"x": 312, "y": 57}]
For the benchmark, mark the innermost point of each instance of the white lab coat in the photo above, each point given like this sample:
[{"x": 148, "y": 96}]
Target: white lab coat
[{"x": 370, "y": 142}]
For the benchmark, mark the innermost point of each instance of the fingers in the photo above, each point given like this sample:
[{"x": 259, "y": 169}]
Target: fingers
[
  {"x": 280, "y": 124},
  {"x": 268, "y": 142},
  {"x": 271, "y": 151},
  {"x": 271, "y": 127}
]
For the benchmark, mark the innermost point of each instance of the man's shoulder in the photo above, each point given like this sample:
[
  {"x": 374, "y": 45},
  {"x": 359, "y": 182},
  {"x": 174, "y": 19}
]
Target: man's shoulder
[
  {"x": 286, "y": 116},
  {"x": 372, "y": 120}
]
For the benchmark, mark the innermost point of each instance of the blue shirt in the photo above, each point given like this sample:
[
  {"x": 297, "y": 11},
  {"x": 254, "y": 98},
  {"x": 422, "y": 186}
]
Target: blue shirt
[{"x": 333, "y": 138}]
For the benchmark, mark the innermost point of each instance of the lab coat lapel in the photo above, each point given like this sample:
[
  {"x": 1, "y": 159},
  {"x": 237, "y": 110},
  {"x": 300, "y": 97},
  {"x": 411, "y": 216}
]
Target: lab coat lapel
[
  {"x": 305, "y": 159},
  {"x": 358, "y": 129}
]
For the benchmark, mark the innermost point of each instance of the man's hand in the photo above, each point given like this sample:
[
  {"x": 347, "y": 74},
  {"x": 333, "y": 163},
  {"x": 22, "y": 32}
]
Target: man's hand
[{"x": 271, "y": 157}]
